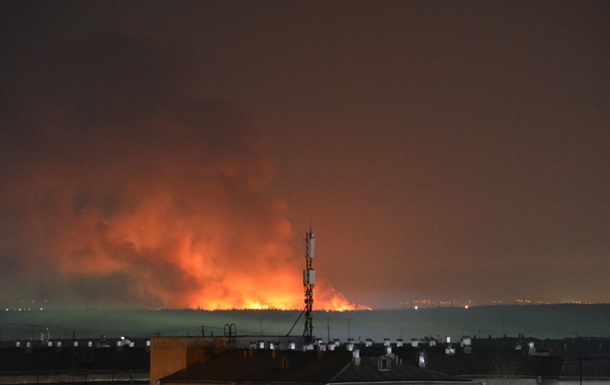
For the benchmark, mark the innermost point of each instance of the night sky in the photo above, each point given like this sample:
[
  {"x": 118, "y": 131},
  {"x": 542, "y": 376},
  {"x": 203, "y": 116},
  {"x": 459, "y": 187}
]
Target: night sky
[{"x": 175, "y": 153}]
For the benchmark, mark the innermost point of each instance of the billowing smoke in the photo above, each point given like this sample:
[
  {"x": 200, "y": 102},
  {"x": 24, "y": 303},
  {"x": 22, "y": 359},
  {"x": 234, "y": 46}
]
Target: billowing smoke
[{"x": 123, "y": 186}]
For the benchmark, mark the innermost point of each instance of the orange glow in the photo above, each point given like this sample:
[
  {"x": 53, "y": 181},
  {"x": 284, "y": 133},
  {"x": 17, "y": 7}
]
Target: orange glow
[
  {"x": 200, "y": 263},
  {"x": 179, "y": 219}
]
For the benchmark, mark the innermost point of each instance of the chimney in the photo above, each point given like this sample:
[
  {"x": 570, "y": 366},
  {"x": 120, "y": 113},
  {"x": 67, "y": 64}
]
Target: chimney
[
  {"x": 531, "y": 348},
  {"x": 356, "y": 357},
  {"x": 350, "y": 346},
  {"x": 414, "y": 342},
  {"x": 421, "y": 360}
]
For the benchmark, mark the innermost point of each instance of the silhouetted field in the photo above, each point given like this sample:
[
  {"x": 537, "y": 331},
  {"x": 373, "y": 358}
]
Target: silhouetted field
[{"x": 541, "y": 321}]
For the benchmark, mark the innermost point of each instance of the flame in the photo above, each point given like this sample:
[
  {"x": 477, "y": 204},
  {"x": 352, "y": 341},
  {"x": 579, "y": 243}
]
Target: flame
[
  {"x": 194, "y": 235},
  {"x": 220, "y": 263},
  {"x": 117, "y": 195}
]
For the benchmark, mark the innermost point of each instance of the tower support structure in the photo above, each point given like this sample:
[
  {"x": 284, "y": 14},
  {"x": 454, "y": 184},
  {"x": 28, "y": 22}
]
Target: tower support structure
[{"x": 309, "y": 281}]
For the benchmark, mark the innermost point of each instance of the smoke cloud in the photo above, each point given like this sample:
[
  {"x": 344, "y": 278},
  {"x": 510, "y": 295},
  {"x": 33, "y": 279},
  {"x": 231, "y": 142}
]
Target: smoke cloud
[{"x": 122, "y": 186}]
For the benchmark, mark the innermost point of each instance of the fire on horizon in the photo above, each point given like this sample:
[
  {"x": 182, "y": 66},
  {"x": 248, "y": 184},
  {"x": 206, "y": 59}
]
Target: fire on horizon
[
  {"x": 180, "y": 220},
  {"x": 166, "y": 154}
]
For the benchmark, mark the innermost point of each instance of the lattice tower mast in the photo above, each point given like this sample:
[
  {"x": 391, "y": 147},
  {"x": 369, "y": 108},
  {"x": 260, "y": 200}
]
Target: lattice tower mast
[{"x": 309, "y": 281}]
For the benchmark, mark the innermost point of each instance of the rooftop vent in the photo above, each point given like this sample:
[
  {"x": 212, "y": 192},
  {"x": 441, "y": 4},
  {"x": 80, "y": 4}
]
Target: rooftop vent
[
  {"x": 284, "y": 362},
  {"x": 308, "y": 347},
  {"x": 531, "y": 348},
  {"x": 356, "y": 357},
  {"x": 466, "y": 341},
  {"x": 422, "y": 359},
  {"x": 249, "y": 353},
  {"x": 384, "y": 363}
]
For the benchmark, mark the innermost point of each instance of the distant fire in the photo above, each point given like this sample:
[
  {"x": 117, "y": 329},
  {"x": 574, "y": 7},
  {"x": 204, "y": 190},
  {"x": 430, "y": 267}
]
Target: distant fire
[
  {"x": 173, "y": 214},
  {"x": 140, "y": 193},
  {"x": 200, "y": 259}
]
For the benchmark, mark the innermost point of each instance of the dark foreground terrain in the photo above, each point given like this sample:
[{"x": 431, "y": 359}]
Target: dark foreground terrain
[{"x": 127, "y": 361}]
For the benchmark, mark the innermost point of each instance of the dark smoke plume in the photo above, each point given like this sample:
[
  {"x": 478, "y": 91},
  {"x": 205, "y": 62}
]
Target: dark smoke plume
[{"x": 123, "y": 186}]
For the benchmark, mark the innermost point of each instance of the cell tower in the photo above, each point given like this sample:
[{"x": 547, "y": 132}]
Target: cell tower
[{"x": 309, "y": 280}]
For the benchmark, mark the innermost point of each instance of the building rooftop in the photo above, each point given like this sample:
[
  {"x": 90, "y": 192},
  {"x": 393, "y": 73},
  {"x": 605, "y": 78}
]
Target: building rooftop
[
  {"x": 79, "y": 359},
  {"x": 254, "y": 366}
]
